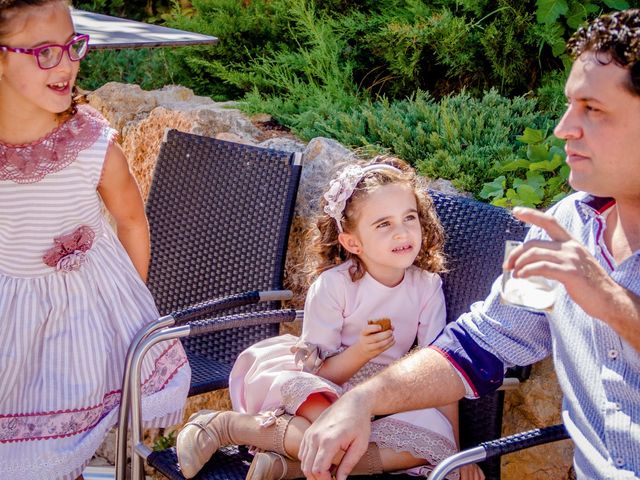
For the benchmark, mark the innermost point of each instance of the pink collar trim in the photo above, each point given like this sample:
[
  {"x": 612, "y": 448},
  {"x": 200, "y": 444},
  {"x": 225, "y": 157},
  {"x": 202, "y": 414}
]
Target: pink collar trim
[{"x": 32, "y": 162}]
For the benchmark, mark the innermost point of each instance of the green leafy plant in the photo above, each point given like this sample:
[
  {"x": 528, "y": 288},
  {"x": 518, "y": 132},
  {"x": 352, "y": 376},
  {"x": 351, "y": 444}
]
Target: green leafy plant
[
  {"x": 164, "y": 441},
  {"x": 560, "y": 18},
  {"x": 458, "y": 137},
  {"x": 538, "y": 180}
]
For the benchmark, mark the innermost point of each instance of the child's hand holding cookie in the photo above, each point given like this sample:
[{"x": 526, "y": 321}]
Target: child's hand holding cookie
[{"x": 376, "y": 337}]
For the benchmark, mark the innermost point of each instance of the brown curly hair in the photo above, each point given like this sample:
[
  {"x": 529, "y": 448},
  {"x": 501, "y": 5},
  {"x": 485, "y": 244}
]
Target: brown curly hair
[
  {"x": 7, "y": 8},
  {"x": 325, "y": 250},
  {"x": 614, "y": 38}
]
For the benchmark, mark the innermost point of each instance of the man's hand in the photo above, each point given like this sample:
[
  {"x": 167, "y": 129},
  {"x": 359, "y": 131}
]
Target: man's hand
[
  {"x": 342, "y": 428},
  {"x": 562, "y": 259}
]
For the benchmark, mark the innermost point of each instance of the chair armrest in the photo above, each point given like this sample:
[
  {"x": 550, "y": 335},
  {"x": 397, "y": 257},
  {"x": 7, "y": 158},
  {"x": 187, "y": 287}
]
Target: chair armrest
[
  {"x": 168, "y": 324},
  {"x": 498, "y": 447},
  {"x": 216, "y": 324},
  {"x": 194, "y": 328},
  {"x": 224, "y": 303}
]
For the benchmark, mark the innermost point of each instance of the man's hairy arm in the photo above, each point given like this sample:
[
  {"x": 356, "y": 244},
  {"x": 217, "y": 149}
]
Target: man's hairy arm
[{"x": 421, "y": 380}]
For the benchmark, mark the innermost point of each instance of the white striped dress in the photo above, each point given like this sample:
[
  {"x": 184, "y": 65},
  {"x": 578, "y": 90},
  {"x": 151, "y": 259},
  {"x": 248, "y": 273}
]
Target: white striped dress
[{"x": 65, "y": 325}]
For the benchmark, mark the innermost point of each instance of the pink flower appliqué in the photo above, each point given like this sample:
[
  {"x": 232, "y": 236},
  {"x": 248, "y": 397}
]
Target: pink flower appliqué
[{"x": 68, "y": 252}]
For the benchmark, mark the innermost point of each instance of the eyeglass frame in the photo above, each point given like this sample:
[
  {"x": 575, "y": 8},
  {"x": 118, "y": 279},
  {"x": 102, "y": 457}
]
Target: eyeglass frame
[{"x": 36, "y": 51}]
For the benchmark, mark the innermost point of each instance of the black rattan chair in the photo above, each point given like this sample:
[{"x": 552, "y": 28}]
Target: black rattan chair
[
  {"x": 219, "y": 216},
  {"x": 475, "y": 245}
]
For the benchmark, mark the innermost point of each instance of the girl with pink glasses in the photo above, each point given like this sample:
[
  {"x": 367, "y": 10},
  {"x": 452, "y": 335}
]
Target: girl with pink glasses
[{"x": 72, "y": 292}]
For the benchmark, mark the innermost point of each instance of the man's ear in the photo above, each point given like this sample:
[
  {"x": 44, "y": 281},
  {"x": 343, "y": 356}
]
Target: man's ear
[{"x": 350, "y": 243}]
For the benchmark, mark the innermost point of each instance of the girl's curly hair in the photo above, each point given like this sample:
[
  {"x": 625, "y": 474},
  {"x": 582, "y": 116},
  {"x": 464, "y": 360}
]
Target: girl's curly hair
[
  {"x": 614, "y": 38},
  {"x": 7, "y": 9},
  {"x": 325, "y": 250}
]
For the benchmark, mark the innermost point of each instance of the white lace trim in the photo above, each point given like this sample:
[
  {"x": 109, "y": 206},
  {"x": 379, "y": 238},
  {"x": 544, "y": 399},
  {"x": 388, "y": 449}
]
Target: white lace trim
[
  {"x": 295, "y": 391},
  {"x": 420, "y": 442},
  {"x": 365, "y": 373}
]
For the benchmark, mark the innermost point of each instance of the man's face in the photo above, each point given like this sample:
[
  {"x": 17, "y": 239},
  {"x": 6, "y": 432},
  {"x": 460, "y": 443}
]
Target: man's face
[{"x": 602, "y": 130}]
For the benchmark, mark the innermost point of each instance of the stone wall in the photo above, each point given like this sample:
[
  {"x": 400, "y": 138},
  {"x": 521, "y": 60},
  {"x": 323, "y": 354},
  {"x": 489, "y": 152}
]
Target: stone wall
[{"x": 141, "y": 117}]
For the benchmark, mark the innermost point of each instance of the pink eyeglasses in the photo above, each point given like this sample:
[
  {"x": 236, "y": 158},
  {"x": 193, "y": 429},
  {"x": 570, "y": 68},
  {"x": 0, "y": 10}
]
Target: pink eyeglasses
[{"x": 50, "y": 56}]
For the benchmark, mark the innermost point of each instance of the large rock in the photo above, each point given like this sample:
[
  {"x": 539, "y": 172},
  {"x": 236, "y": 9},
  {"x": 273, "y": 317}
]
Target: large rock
[
  {"x": 536, "y": 403},
  {"x": 142, "y": 117}
]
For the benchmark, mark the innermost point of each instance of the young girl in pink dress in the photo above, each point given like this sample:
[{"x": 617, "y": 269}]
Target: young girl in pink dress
[
  {"x": 379, "y": 249},
  {"x": 72, "y": 294}
]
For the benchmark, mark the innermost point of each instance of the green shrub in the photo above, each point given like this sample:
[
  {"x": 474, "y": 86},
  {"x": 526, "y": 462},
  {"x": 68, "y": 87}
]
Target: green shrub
[
  {"x": 560, "y": 18},
  {"x": 460, "y": 137},
  {"x": 247, "y": 31},
  {"x": 134, "y": 9},
  {"x": 394, "y": 47},
  {"x": 145, "y": 67},
  {"x": 550, "y": 95},
  {"x": 164, "y": 441}
]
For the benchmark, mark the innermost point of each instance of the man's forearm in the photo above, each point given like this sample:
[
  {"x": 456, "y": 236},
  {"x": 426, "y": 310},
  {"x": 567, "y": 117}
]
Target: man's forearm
[{"x": 423, "y": 379}]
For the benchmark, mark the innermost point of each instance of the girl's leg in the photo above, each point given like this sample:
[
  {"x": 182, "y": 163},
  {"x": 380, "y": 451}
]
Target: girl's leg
[
  {"x": 207, "y": 431},
  {"x": 314, "y": 406},
  {"x": 271, "y": 466},
  {"x": 392, "y": 460}
]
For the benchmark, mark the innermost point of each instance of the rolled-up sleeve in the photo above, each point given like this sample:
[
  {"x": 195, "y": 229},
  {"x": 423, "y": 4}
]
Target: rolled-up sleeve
[{"x": 491, "y": 337}]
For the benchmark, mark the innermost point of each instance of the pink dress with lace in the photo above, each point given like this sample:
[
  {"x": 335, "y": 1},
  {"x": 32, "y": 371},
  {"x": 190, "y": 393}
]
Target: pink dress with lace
[
  {"x": 70, "y": 303},
  {"x": 279, "y": 373}
]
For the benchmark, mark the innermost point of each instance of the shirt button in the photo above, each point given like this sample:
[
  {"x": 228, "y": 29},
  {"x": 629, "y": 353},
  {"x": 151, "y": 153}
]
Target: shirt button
[
  {"x": 617, "y": 406},
  {"x": 619, "y": 461},
  {"x": 613, "y": 354}
]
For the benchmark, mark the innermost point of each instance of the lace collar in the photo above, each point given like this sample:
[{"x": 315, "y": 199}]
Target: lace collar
[{"x": 30, "y": 163}]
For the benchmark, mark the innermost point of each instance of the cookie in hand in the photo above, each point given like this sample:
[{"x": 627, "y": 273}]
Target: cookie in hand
[{"x": 385, "y": 323}]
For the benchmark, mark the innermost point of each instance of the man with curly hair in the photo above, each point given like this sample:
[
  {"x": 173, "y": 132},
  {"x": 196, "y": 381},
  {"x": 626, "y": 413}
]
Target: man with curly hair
[{"x": 590, "y": 244}]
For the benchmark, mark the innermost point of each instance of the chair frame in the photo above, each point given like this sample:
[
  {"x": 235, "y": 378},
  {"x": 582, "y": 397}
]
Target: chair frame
[
  {"x": 499, "y": 447},
  {"x": 175, "y": 174},
  {"x": 164, "y": 330},
  {"x": 172, "y": 324}
]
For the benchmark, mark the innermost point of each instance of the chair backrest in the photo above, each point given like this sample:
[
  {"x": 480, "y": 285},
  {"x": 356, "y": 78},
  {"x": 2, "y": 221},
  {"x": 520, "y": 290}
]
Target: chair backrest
[
  {"x": 219, "y": 216},
  {"x": 475, "y": 236}
]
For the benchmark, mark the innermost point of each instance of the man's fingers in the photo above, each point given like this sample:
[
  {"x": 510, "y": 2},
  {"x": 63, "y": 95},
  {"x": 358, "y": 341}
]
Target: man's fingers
[
  {"x": 316, "y": 461},
  {"x": 532, "y": 250},
  {"x": 349, "y": 461},
  {"x": 542, "y": 220}
]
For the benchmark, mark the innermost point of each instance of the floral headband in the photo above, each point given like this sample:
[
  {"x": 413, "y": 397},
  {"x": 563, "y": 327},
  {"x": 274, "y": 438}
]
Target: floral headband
[{"x": 341, "y": 188}]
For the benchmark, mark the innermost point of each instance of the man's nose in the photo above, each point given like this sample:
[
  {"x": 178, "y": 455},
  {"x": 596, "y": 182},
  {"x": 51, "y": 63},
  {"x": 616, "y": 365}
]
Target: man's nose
[{"x": 568, "y": 126}]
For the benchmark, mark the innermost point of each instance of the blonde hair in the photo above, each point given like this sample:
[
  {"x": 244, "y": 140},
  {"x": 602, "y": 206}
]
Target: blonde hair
[{"x": 325, "y": 250}]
